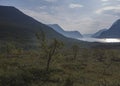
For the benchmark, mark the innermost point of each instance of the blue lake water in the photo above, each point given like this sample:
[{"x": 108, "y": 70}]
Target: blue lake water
[{"x": 105, "y": 40}]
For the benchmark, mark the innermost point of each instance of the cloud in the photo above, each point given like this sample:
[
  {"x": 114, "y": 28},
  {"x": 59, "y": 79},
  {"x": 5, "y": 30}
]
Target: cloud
[
  {"x": 41, "y": 7},
  {"x": 110, "y": 10},
  {"x": 66, "y": 13},
  {"x": 51, "y": 0},
  {"x": 40, "y": 16},
  {"x": 104, "y": 0},
  {"x": 106, "y": 3},
  {"x": 75, "y": 5},
  {"x": 109, "y": 0}
]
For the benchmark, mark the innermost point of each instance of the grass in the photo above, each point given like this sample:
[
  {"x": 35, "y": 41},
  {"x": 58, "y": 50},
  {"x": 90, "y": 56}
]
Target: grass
[{"x": 92, "y": 67}]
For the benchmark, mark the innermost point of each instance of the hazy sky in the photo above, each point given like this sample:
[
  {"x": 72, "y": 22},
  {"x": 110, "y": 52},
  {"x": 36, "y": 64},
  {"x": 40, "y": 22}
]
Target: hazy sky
[{"x": 86, "y": 16}]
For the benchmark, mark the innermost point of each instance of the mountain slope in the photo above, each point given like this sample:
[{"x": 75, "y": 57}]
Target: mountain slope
[
  {"x": 87, "y": 35},
  {"x": 70, "y": 34},
  {"x": 113, "y": 32},
  {"x": 17, "y": 26},
  {"x": 13, "y": 21},
  {"x": 98, "y": 33}
]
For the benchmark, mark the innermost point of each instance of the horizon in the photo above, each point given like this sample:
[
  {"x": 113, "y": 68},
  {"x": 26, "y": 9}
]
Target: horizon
[{"x": 102, "y": 13}]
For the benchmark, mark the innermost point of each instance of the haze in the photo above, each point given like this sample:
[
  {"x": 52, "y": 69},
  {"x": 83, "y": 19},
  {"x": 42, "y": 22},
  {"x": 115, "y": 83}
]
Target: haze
[{"x": 86, "y": 16}]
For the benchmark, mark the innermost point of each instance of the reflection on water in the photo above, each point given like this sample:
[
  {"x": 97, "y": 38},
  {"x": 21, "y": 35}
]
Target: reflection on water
[{"x": 105, "y": 40}]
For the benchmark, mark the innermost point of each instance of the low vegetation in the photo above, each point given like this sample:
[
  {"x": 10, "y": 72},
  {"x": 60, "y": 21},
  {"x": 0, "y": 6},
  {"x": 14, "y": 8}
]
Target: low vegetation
[{"x": 54, "y": 65}]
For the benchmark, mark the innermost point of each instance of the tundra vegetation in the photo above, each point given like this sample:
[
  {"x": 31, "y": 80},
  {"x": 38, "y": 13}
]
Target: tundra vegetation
[{"x": 53, "y": 64}]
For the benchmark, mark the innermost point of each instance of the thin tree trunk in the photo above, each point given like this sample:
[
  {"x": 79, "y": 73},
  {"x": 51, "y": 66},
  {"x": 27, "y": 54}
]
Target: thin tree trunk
[
  {"x": 52, "y": 51},
  {"x": 48, "y": 64}
]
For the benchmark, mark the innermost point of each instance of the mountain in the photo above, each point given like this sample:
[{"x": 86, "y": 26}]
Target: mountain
[
  {"x": 113, "y": 32},
  {"x": 70, "y": 34},
  {"x": 87, "y": 35},
  {"x": 98, "y": 33},
  {"x": 21, "y": 28},
  {"x": 16, "y": 25}
]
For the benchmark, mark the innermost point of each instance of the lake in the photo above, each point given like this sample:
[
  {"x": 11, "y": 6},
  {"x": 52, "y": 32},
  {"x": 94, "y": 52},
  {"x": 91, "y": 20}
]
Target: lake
[{"x": 104, "y": 40}]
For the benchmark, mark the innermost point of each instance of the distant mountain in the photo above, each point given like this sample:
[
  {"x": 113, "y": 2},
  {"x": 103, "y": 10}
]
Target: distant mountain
[
  {"x": 113, "y": 32},
  {"x": 98, "y": 33},
  {"x": 87, "y": 35},
  {"x": 70, "y": 34},
  {"x": 17, "y": 26}
]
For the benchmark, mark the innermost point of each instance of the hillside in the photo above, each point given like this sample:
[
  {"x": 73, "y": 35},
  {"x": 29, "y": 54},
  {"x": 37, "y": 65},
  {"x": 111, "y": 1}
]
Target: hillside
[
  {"x": 70, "y": 34},
  {"x": 17, "y": 26},
  {"x": 113, "y": 32},
  {"x": 98, "y": 33}
]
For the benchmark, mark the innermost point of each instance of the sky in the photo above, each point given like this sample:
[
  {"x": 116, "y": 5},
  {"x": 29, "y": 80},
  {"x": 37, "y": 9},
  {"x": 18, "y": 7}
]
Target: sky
[{"x": 85, "y": 16}]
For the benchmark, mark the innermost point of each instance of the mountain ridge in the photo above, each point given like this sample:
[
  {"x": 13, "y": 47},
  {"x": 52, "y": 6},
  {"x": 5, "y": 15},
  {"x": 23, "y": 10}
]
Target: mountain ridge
[
  {"x": 17, "y": 26},
  {"x": 70, "y": 34},
  {"x": 112, "y": 32},
  {"x": 98, "y": 33}
]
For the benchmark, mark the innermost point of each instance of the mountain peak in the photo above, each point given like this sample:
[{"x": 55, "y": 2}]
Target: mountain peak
[
  {"x": 12, "y": 14},
  {"x": 70, "y": 34},
  {"x": 55, "y": 25},
  {"x": 9, "y": 11},
  {"x": 7, "y": 7},
  {"x": 117, "y": 22},
  {"x": 113, "y": 32}
]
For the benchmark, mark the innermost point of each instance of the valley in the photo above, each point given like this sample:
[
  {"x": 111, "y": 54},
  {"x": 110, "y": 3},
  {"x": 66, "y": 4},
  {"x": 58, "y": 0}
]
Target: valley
[{"x": 36, "y": 54}]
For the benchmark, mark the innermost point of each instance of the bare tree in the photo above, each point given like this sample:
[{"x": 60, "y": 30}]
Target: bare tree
[
  {"x": 75, "y": 49},
  {"x": 49, "y": 49}
]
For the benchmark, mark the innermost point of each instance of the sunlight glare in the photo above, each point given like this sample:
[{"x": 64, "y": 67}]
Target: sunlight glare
[{"x": 111, "y": 40}]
